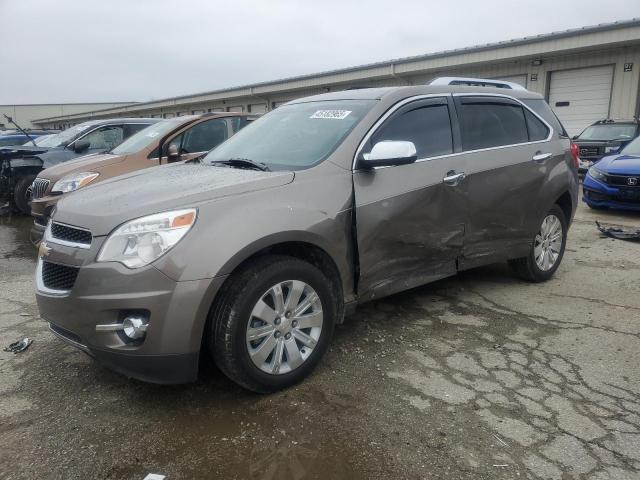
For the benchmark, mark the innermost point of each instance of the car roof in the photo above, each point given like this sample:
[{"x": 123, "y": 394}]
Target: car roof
[{"x": 408, "y": 91}]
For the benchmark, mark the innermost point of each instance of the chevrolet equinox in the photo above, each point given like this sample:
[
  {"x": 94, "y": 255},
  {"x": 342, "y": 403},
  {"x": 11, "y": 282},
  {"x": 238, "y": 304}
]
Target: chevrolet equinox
[{"x": 253, "y": 253}]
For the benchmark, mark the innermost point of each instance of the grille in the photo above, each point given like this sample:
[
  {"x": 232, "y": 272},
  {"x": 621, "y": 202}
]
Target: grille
[
  {"x": 70, "y": 234},
  {"x": 587, "y": 152},
  {"x": 39, "y": 187},
  {"x": 58, "y": 277},
  {"x": 623, "y": 180}
]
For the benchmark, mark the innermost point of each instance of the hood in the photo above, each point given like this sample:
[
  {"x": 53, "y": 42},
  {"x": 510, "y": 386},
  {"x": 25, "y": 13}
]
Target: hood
[
  {"x": 620, "y": 165},
  {"x": 15, "y": 151},
  {"x": 90, "y": 163},
  {"x": 54, "y": 156},
  {"x": 102, "y": 207}
]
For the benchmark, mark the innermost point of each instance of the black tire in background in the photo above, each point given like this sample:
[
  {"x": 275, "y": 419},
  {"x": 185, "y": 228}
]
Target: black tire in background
[
  {"x": 22, "y": 194},
  {"x": 527, "y": 268},
  {"x": 227, "y": 341}
]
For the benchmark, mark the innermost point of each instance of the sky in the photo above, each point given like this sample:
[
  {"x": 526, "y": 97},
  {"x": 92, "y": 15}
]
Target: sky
[{"x": 56, "y": 51}]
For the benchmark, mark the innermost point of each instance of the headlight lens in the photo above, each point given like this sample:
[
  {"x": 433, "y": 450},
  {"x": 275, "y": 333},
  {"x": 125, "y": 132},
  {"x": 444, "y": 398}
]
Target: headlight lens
[
  {"x": 611, "y": 149},
  {"x": 596, "y": 174},
  {"x": 74, "y": 182},
  {"x": 141, "y": 241}
]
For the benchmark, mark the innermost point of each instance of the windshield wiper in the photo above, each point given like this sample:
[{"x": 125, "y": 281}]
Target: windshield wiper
[{"x": 243, "y": 163}]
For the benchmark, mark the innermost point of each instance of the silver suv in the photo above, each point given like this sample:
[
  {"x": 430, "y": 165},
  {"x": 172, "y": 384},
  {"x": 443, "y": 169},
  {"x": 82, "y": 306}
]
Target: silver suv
[{"x": 254, "y": 253}]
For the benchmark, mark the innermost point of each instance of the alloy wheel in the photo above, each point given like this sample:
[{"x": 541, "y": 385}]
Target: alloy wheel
[
  {"x": 548, "y": 243},
  {"x": 284, "y": 327}
]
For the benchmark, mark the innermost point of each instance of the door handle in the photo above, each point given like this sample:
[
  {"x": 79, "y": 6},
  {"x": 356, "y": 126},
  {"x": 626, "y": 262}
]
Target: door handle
[
  {"x": 540, "y": 157},
  {"x": 452, "y": 179}
]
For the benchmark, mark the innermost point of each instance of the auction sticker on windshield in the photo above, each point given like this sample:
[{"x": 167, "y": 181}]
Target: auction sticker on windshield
[{"x": 331, "y": 114}]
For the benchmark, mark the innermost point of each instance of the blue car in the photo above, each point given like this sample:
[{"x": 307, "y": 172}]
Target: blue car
[{"x": 614, "y": 182}]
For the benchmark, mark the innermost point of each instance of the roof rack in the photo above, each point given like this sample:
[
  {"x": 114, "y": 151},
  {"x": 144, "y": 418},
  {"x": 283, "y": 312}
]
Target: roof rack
[{"x": 476, "y": 82}]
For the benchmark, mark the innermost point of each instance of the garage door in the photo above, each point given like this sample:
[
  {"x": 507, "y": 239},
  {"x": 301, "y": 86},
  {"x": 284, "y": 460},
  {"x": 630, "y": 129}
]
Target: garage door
[
  {"x": 257, "y": 108},
  {"x": 519, "y": 79},
  {"x": 581, "y": 96}
]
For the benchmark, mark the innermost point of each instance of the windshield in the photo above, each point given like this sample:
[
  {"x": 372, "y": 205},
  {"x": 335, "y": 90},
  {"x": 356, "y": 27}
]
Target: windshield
[
  {"x": 147, "y": 136},
  {"x": 294, "y": 137},
  {"x": 632, "y": 148},
  {"x": 40, "y": 141},
  {"x": 67, "y": 136},
  {"x": 612, "y": 131}
]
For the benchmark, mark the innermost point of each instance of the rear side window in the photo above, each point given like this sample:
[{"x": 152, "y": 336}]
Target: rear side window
[
  {"x": 427, "y": 126},
  {"x": 537, "y": 130},
  {"x": 487, "y": 124},
  {"x": 543, "y": 109},
  {"x": 132, "y": 128}
]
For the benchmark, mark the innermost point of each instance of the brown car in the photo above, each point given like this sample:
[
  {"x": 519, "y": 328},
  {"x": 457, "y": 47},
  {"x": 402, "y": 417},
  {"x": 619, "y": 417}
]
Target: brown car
[{"x": 180, "y": 138}]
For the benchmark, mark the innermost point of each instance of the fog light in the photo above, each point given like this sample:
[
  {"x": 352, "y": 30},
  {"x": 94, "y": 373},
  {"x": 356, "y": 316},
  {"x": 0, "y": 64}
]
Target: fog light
[{"x": 134, "y": 327}]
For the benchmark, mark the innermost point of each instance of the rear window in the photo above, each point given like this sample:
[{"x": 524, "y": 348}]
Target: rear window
[{"x": 487, "y": 124}]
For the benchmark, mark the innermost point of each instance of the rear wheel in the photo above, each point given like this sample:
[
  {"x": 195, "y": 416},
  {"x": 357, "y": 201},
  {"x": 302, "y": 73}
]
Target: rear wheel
[
  {"x": 547, "y": 249},
  {"x": 273, "y": 323},
  {"x": 22, "y": 194}
]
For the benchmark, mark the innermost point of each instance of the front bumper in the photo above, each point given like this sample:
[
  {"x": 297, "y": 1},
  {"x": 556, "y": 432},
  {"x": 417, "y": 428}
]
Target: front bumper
[
  {"x": 600, "y": 195},
  {"x": 103, "y": 293}
]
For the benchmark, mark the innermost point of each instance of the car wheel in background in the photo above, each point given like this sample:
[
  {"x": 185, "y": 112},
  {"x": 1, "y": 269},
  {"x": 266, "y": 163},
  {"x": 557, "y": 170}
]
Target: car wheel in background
[
  {"x": 273, "y": 323},
  {"x": 547, "y": 248},
  {"x": 22, "y": 194}
]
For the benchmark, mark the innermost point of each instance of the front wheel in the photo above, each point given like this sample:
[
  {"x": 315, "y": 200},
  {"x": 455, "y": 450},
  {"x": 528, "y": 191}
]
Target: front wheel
[
  {"x": 273, "y": 323},
  {"x": 22, "y": 194},
  {"x": 547, "y": 249}
]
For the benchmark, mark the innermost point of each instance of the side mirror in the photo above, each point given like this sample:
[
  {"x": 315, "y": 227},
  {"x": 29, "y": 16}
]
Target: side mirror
[
  {"x": 80, "y": 146},
  {"x": 389, "y": 153},
  {"x": 575, "y": 137},
  {"x": 172, "y": 153}
]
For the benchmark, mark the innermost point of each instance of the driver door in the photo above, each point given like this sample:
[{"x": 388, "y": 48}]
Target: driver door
[{"x": 410, "y": 219}]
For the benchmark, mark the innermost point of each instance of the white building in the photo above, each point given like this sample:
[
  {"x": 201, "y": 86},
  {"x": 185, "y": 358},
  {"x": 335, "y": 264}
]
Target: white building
[
  {"x": 586, "y": 74},
  {"x": 24, "y": 115}
]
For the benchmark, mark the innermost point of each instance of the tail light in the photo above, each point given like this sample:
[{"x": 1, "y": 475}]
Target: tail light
[{"x": 575, "y": 151}]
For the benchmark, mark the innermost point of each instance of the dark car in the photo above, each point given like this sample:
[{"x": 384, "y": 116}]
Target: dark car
[
  {"x": 19, "y": 165},
  {"x": 604, "y": 138},
  {"x": 20, "y": 138},
  {"x": 614, "y": 182}
]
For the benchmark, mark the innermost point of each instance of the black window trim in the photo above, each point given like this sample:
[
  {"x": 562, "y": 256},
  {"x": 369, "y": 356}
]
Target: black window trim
[{"x": 454, "y": 118}]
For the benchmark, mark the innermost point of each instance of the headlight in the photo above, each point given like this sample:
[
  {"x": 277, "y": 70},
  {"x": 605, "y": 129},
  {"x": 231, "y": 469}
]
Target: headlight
[
  {"x": 73, "y": 182},
  {"x": 141, "y": 241},
  {"x": 597, "y": 174},
  {"x": 611, "y": 149}
]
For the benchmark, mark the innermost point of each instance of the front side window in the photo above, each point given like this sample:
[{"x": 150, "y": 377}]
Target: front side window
[
  {"x": 104, "y": 138},
  {"x": 295, "y": 136},
  {"x": 486, "y": 124},
  {"x": 609, "y": 132},
  {"x": 204, "y": 136},
  {"x": 69, "y": 135},
  {"x": 427, "y": 125}
]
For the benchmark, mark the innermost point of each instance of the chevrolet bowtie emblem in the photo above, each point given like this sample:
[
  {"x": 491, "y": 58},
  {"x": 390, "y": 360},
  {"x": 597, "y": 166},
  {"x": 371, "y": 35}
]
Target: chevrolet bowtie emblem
[{"x": 44, "y": 250}]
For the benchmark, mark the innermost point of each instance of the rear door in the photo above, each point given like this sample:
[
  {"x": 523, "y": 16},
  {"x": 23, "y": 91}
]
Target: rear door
[
  {"x": 508, "y": 157},
  {"x": 409, "y": 222}
]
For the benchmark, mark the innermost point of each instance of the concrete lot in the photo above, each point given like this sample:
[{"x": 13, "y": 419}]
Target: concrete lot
[{"x": 480, "y": 376}]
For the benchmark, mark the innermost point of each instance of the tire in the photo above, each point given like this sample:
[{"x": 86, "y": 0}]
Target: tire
[
  {"x": 528, "y": 268},
  {"x": 240, "y": 358},
  {"x": 22, "y": 194}
]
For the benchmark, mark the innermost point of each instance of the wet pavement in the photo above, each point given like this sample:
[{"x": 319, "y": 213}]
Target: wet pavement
[{"x": 480, "y": 376}]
